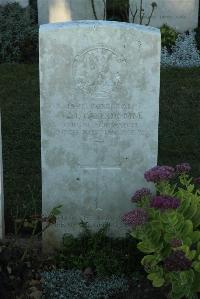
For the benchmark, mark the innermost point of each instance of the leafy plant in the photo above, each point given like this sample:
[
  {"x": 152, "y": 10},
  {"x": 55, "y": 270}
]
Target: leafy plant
[
  {"x": 168, "y": 36},
  {"x": 105, "y": 255},
  {"x": 18, "y": 34},
  {"x": 167, "y": 226}
]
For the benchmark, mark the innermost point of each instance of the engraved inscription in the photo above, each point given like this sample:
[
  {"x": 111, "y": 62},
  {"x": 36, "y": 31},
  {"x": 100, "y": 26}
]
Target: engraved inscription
[
  {"x": 100, "y": 120},
  {"x": 97, "y": 71}
]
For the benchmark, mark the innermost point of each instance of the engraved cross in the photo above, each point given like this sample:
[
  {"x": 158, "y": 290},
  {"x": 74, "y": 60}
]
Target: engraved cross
[{"x": 99, "y": 173}]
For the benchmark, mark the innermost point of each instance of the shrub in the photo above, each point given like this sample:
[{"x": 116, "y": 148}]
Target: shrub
[
  {"x": 33, "y": 5},
  {"x": 169, "y": 233},
  {"x": 168, "y": 36},
  {"x": 18, "y": 34},
  {"x": 71, "y": 284},
  {"x": 105, "y": 255},
  {"x": 183, "y": 54}
]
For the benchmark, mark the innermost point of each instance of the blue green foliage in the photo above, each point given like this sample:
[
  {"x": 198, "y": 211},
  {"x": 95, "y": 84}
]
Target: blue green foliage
[{"x": 71, "y": 284}]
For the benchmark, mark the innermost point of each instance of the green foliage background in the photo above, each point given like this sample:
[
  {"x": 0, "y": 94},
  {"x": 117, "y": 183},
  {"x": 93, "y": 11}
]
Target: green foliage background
[{"x": 18, "y": 34}]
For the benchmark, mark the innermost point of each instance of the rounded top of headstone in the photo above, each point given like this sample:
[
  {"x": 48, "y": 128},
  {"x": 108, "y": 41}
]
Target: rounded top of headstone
[{"x": 96, "y": 24}]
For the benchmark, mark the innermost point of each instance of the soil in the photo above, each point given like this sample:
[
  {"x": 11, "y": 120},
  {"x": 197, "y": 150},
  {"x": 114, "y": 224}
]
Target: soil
[{"x": 21, "y": 279}]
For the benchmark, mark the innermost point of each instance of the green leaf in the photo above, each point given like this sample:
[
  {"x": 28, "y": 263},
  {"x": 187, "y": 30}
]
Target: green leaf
[
  {"x": 138, "y": 234},
  {"x": 195, "y": 236},
  {"x": 198, "y": 247},
  {"x": 185, "y": 202},
  {"x": 169, "y": 218},
  {"x": 56, "y": 211},
  {"x": 190, "y": 188},
  {"x": 157, "y": 279},
  {"x": 188, "y": 228},
  {"x": 196, "y": 266},
  {"x": 196, "y": 217},
  {"x": 191, "y": 211},
  {"x": 151, "y": 260},
  {"x": 185, "y": 248},
  {"x": 188, "y": 241},
  {"x": 158, "y": 282},
  {"x": 146, "y": 247},
  {"x": 183, "y": 277},
  {"x": 196, "y": 283},
  {"x": 148, "y": 259},
  {"x": 191, "y": 254}
]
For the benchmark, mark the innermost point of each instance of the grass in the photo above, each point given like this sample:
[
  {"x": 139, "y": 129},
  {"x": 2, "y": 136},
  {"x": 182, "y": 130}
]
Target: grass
[
  {"x": 19, "y": 94},
  {"x": 179, "y": 130}
]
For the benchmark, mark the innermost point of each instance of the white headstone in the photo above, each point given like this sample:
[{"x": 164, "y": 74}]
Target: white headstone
[
  {"x": 99, "y": 119},
  {"x": 52, "y": 11},
  {"x": 1, "y": 189},
  {"x": 22, "y": 3},
  {"x": 182, "y": 15}
]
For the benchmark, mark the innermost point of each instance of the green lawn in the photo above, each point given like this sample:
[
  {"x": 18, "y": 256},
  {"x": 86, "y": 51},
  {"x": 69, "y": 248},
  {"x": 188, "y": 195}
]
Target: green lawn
[
  {"x": 19, "y": 94},
  {"x": 179, "y": 130}
]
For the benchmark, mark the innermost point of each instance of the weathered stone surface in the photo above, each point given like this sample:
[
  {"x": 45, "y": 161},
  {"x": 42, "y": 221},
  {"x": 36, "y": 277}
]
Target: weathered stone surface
[
  {"x": 99, "y": 119},
  {"x": 1, "y": 189},
  {"x": 179, "y": 14},
  {"x": 23, "y": 3},
  {"x": 51, "y": 11}
]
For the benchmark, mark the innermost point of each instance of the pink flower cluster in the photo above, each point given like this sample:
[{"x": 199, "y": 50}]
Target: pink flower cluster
[
  {"x": 164, "y": 202},
  {"x": 176, "y": 243},
  {"x": 177, "y": 261},
  {"x": 135, "y": 217},
  {"x": 197, "y": 181},
  {"x": 139, "y": 194},
  {"x": 183, "y": 168},
  {"x": 159, "y": 173}
]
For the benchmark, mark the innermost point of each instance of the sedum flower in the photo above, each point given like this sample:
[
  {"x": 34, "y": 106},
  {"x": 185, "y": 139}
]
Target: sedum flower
[
  {"x": 176, "y": 243},
  {"x": 164, "y": 202},
  {"x": 177, "y": 261},
  {"x": 183, "y": 168},
  {"x": 139, "y": 194},
  {"x": 135, "y": 217},
  {"x": 159, "y": 173},
  {"x": 197, "y": 181}
]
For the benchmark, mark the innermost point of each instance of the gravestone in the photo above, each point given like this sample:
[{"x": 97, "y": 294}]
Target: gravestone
[
  {"x": 22, "y": 3},
  {"x": 182, "y": 15},
  {"x": 99, "y": 120},
  {"x": 1, "y": 189},
  {"x": 51, "y": 11}
]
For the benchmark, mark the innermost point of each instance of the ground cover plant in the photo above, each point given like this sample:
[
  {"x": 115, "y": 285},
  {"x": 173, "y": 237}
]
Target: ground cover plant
[
  {"x": 72, "y": 284},
  {"x": 167, "y": 225},
  {"x": 184, "y": 53}
]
